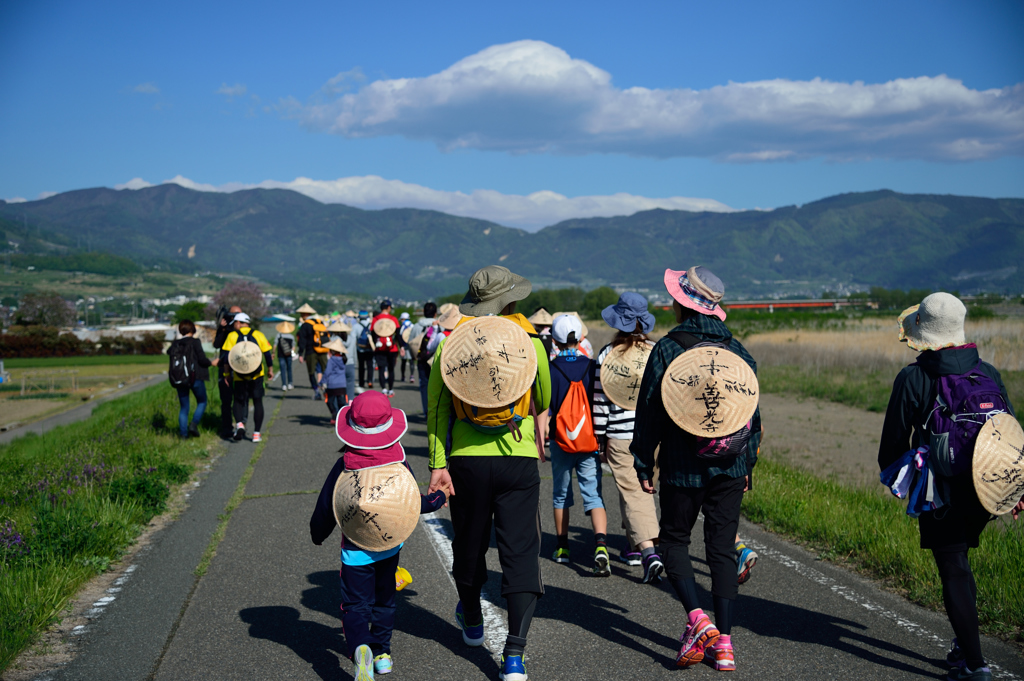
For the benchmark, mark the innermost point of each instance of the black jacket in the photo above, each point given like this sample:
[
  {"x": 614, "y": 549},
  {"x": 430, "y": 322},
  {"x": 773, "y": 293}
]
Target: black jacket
[
  {"x": 202, "y": 361},
  {"x": 218, "y": 343},
  {"x": 305, "y": 339},
  {"x": 913, "y": 396}
]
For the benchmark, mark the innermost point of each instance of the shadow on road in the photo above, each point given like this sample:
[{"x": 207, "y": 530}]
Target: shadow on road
[{"x": 321, "y": 646}]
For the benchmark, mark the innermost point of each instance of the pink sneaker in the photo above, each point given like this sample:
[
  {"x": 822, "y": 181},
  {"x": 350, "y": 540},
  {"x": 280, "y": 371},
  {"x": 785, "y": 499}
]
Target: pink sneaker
[
  {"x": 722, "y": 657},
  {"x": 698, "y": 636}
]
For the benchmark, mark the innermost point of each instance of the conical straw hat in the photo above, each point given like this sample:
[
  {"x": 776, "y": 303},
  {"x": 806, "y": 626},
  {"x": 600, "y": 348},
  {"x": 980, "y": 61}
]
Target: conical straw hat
[
  {"x": 377, "y": 508},
  {"x": 339, "y": 327},
  {"x": 406, "y": 333},
  {"x": 710, "y": 392},
  {"x": 335, "y": 344},
  {"x": 384, "y": 327},
  {"x": 584, "y": 331},
  {"x": 245, "y": 357},
  {"x": 998, "y": 465},
  {"x": 415, "y": 344},
  {"x": 350, "y": 313},
  {"x": 489, "y": 362},
  {"x": 449, "y": 319},
  {"x": 541, "y": 318},
  {"x": 285, "y": 327},
  {"x": 622, "y": 371},
  {"x": 444, "y": 308},
  {"x": 306, "y": 309}
]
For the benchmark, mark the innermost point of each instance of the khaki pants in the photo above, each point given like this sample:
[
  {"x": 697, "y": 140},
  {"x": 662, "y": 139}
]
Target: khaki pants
[{"x": 637, "y": 506}]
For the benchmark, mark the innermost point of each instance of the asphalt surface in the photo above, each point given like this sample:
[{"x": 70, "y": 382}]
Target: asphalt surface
[{"x": 268, "y": 606}]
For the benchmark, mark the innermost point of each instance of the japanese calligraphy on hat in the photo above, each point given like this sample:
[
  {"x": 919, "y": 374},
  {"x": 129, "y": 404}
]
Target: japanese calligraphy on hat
[
  {"x": 622, "y": 371},
  {"x": 709, "y": 391},
  {"x": 489, "y": 362},
  {"x": 377, "y": 508},
  {"x": 998, "y": 465}
]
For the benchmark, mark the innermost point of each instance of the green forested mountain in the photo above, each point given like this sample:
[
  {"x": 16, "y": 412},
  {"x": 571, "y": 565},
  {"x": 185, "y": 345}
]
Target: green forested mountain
[{"x": 878, "y": 238}]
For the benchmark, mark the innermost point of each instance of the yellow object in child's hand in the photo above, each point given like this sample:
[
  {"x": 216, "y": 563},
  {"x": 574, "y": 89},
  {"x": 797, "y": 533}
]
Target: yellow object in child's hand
[{"x": 402, "y": 578}]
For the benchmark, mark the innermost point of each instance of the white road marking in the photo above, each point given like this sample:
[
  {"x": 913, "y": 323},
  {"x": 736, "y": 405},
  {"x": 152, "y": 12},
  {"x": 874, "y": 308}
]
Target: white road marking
[
  {"x": 854, "y": 597},
  {"x": 495, "y": 628}
]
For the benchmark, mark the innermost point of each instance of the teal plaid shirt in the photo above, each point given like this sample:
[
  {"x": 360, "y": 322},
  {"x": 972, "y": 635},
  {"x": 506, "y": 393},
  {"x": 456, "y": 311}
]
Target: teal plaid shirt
[{"x": 677, "y": 458}]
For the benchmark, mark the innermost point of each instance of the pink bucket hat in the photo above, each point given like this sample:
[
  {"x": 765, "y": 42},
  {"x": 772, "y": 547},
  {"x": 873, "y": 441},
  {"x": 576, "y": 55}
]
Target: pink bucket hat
[
  {"x": 370, "y": 422},
  {"x": 697, "y": 289}
]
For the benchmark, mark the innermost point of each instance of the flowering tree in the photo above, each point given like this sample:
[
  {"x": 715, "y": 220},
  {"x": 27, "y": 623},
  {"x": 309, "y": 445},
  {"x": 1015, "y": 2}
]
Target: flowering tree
[
  {"x": 245, "y": 294},
  {"x": 46, "y": 309}
]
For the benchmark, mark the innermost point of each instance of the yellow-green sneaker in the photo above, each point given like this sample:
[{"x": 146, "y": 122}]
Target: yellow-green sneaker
[
  {"x": 601, "y": 561},
  {"x": 560, "y": 555}
]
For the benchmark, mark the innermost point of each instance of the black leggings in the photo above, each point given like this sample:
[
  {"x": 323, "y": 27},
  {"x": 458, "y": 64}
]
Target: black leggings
[
  {"x": 386, "y": 368},
  {"x": 244, "y": 391},
  {"x": 960, "y": 596}
]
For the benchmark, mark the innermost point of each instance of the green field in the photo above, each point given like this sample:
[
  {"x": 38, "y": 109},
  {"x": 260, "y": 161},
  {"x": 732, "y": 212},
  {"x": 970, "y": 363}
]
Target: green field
[
  {"x": 98, "y": 360},
  {"x": 72, "y": 500}
]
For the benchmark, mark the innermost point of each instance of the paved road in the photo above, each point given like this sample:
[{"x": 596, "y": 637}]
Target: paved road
[{"x": 268, "y": 606}]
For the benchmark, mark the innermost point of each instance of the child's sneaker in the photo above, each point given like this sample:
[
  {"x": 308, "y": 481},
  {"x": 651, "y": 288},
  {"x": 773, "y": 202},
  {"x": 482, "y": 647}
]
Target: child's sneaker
[
  {"x": 363, "y": 660},
  {"x": 631, "y": 557},
  {"x": 561, "y": 555},
  {"x": 471, "y": 635},
  {"x": 382, "y": 664},
  {"x": 601, "y": 568},
  {"x": 698, "y": 636},
  {"x": 512, "y": 668},
  {"x": 745, "y": 561},
  {"x": 256, "y": 437},
  {"x": 965, "y": 674},
  {"x": 955, "y": 657},
  {"x": 722, "y": 657},
  {"x": 653, "y": 567},
  {"x": 239, "y": 432}
]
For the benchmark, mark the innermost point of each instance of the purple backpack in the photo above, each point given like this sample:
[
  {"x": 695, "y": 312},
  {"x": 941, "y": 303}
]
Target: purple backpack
[{"x": 963, "y": 403}]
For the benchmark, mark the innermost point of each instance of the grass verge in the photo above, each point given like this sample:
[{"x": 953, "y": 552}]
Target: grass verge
[
  {"x": 857, "y": 387},
  {"x": 872, "y": 533},
  {"x": 97, "y": 360},
  {"x": 72, "y": 500}
]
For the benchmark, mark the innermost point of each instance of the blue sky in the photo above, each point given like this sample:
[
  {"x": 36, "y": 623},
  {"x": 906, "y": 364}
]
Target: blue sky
[{"x": 523, "y": 113}]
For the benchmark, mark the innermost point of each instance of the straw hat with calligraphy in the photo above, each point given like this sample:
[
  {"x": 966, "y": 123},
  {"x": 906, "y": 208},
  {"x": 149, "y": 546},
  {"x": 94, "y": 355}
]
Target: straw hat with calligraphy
[
  {"x": 306, "y": 309},
  {"x": 339, "y": 327},
  {"x": 585, "y": 331},
  {"x": 285, "y": 327},
  {"x": 489, "y": 362},
  {"x": 541, "y": 318},
  {"x": 450, "y": 318},
  {"x": 622, "y": 371},
  {"x": 998, "y": 465},
  {"x": 245, "y": 357},
  {"x": 377, "y": 508},
  {"x": 709, "y": 392},
  {"x": 415, "y": 343},
  {"x": 384, "y": 327}
]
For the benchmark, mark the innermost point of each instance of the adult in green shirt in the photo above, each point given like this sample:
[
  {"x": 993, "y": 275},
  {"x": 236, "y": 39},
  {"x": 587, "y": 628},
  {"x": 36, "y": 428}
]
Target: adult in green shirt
[{"x": 491, "y": 478}]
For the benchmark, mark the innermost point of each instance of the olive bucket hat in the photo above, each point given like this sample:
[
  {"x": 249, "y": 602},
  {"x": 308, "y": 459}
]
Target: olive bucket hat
[{"x": 491, "y": 289}]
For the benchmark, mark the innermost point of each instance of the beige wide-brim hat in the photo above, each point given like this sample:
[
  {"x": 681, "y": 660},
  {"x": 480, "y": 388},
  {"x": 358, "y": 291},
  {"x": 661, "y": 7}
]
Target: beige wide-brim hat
[
  {"x": 384, "y": 327},
  {"x": 585, "y": 331},
  {"x": 444, "y": 308},
  {"x": 335, "y": 344},
  {"x": 339, "y": 327},
  {"x": 377, "y": 508},
  {"x": 306, "y": 309},
  {"x": 709, "y": 392},
  {"x": 488, "y": 362},
  {"x": 622, "y": 371},
  {"x": 450, "y": 318},
  {"x": 937, "y": 323},
  {"x": 245, "y": 357},
  {"x": 285, "y": 327},
  {"x": 541, "y": 318},
  {"x": 998, "y": 465}
]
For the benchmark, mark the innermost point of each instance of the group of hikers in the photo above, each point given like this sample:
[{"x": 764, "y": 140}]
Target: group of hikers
[{"x": 501, "y": 393}]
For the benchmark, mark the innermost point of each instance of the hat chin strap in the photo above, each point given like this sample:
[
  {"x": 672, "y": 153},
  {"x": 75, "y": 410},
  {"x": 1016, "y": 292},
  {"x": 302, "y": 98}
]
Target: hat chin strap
[{"x": 375, "y": 430}]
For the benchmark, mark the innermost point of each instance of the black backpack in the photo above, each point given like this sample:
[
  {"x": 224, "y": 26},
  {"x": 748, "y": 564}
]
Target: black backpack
[
  {"x": 182, "y": 370},
  {"x": 284, "y": 346}
]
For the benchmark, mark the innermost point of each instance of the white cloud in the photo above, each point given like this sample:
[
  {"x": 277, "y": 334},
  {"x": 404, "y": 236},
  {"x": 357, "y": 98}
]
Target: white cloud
[
  {"x": 236, "y": 90},
  {"x": 45, "y": 195},
  {"x": 529, "y": 96},
  {"x": 146, "y": 89},
  {"x": 16, "y": 199},
  {"x": 530, "y": 212}
]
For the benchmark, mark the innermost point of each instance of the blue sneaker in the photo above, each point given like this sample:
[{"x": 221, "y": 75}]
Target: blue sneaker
[
  {"x": 363, "y": 660},
  {"x": 471, "y": 636},
  {"x": 512, "y": 668},
  {"x": 965, "y": 674},
  {"x": 382, "y": 664},
  {"x": 745, "y": 561}
]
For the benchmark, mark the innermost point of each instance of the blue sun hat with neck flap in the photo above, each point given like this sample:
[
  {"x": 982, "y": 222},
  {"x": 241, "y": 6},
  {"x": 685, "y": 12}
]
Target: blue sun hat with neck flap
[{"x": 631, "y": 308}]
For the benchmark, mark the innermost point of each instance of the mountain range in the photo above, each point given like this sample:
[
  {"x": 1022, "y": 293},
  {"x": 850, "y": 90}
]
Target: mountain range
[{"x": 843, "y": 242}]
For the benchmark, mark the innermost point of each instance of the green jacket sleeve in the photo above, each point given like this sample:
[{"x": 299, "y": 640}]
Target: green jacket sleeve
[
  {"x": 439, "y": 411},
  {"x": 542, "y": 386}
]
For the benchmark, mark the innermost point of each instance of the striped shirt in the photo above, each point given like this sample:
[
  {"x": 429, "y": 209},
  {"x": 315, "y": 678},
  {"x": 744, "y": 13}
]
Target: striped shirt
[{"x": 610, "y": 420}]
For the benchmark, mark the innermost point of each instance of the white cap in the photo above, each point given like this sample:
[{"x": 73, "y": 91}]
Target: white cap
[
  {"x": 404, "y": 315},
  {"x": 242, "y": 317},
  {"x": 564, "y": 325}
]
